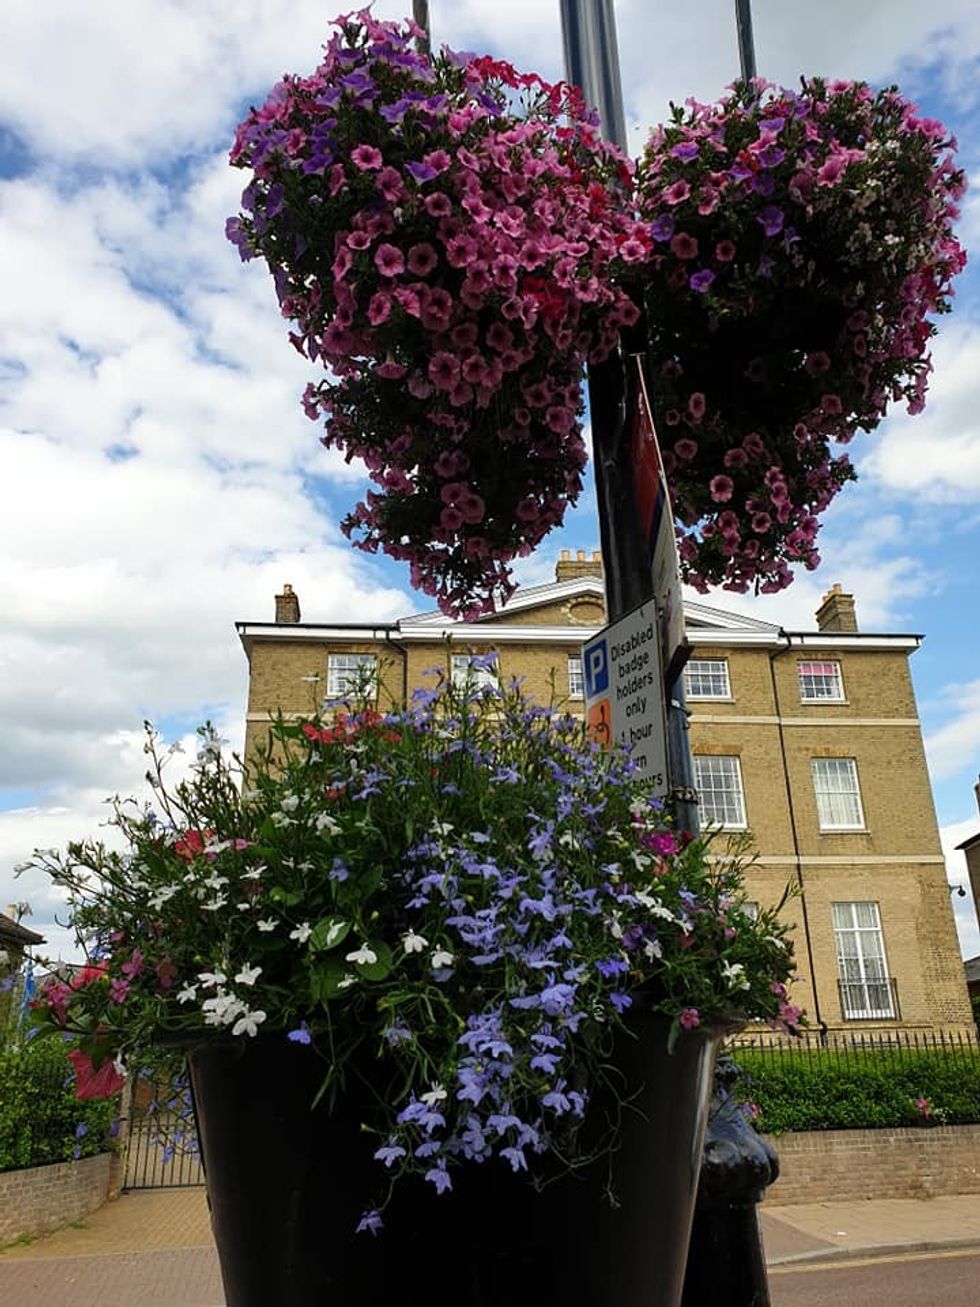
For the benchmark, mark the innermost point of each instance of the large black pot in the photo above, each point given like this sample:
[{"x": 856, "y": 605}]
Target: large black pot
[{"x": 286, "y": 1187}]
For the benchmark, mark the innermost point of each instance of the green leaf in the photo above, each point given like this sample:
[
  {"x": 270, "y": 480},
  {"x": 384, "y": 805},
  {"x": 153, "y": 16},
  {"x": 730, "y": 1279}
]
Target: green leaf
[
  {"x": 328, "y": 977},
  {"x": 287, "y": 897},
  {"x": 328, "y": 933}
]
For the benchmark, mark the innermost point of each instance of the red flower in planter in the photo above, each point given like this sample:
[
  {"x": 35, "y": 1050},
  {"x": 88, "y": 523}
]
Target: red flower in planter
[{"x": 92, "y": 1083}]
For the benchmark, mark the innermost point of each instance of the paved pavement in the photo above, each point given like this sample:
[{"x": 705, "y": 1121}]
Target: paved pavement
[{"x": 155, "y": 1247}]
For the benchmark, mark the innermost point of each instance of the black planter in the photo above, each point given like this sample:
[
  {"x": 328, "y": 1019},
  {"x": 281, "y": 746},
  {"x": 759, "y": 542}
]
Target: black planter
[{"x": 286, "y": 1187}]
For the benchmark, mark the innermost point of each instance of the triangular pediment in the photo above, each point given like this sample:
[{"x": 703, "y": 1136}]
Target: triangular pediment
[{"x": 579, "y": 601}]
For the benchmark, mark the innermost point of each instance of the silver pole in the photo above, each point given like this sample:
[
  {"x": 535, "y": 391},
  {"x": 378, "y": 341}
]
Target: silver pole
[
  {"x": 592, "y": 61},
  {"x": 420, "y": 12},
  {"x": 746, "y": 43}
]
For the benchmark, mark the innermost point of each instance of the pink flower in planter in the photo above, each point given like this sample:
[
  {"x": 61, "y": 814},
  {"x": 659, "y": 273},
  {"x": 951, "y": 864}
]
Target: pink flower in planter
[
  {"x": 389, "y": 260},
  {"x": 366, "y": 157},
  {"x": 689, "y": 1018},
  {"x": 722, "y": 488}
]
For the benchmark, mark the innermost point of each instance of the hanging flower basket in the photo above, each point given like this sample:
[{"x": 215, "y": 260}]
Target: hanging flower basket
[
  {"x": 801, "y": 241},
  {"x": 442, "y": 233}
]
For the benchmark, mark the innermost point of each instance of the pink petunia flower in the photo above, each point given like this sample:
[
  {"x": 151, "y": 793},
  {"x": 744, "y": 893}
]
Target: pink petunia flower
[
  {"x": 684, "y": 246},
  {"x": 722, "y": 489},
  {"x": 389, "y": 261},
  {"x": 689, "y": 1018},
  {"x": 366, "y": 157}
]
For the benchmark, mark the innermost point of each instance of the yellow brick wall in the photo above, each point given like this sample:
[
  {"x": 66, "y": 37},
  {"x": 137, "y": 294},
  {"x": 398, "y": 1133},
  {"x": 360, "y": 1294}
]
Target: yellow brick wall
[{"x": 894, "y": 862}]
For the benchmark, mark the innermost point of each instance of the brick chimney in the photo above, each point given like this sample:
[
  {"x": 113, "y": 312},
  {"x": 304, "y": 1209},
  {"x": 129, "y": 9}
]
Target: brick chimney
[
  {"x": 287, "y": 606},
  {"x": 568, "y": 568},
  {"x": 836, "y": 612}
]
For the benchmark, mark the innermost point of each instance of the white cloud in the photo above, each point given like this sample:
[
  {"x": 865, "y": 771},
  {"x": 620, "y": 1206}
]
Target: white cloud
[
  {"x": 955, "y": 746},
  {"x": 936, "y": 455}
]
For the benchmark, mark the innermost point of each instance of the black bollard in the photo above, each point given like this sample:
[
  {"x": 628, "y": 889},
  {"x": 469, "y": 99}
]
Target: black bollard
[{"x": 725, "y": 1262}]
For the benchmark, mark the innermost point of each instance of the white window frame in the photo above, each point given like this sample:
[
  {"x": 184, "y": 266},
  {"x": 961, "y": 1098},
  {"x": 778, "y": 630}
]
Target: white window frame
[
  {"x": 710, "y": 767},
  {"x": 576, "y": 678},
  {"x": 820, "y": 680},
  {"x": 345, "y": 670},
  {"x": 707, "y": 668},
  {"x": 478, "y": 678},
  {"x": 837, "y": 793},
  {"x": 862, "y": 964}
]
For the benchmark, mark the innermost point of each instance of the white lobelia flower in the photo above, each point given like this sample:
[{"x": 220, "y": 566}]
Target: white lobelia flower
[
  {"x": 188, "y": 994},
  {"x": 435, "y": 1095},
  {"x": 413, "y": 943},
  {"x": 362, "y": 957},
  {"x": 4, "y": 956},
  {"x": 348, "y": 980},
  {"x": 289, "y": 802},
  {"x": 248, "y": 975},
  {"x": 652, "y": 949},
  {"x": 209, "y": 978},
  {"x": 325, "y": 822},
  {"x": 253, "y": 873},
  {"x": 265, "y": 924},
  {"x": 248, "y": 1023},
  {"x": 442, "y": 958},
  {"x": 302, "y": 933},
  {"x": 163, "y": 895},
  {"x": 734, "y": 974}
]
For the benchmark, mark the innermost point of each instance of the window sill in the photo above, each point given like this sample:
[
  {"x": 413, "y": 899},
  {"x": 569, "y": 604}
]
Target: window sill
[{"x": 844, "y": 830}]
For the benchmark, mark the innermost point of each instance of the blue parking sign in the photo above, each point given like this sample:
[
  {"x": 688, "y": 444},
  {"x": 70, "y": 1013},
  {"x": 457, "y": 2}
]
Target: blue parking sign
[{"x": 595, "y": 664}]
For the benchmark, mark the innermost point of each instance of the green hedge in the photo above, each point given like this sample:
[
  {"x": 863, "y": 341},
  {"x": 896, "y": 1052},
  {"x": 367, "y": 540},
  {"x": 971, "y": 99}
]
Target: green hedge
[
  {"x": 871, "y": 1090},
  {"x": 41, "y": 1120}
]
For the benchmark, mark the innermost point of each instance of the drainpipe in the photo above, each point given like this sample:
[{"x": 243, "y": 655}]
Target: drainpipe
[
  {"x": 792, "y": 822},
  {"x": 400, "y": 648}
]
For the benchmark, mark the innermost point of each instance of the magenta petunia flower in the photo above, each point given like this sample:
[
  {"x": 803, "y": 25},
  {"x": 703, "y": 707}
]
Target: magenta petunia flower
[
  {"x": 722, "y": 489},
  {"x": 831, "y": 404},
  {"x": 389, "y": 261},
  {"x": 379, "y": 309},
  {"x": 366, "y": 157},
  {"x": 444, "y": 370},
  {"x": 685, "y": 448},
  {"x": 725, "y": 251},
  {"x": 696, "y": 406},
  {"x": 689, "y": 1018},
  {"x": 677, "y": 193},
  {"x": 684, "y": 246},
  {"x": 422, "y": 259}
]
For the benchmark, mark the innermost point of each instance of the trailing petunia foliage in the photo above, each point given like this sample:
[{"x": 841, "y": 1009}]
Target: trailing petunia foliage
[{"x": 466, "y": 892}]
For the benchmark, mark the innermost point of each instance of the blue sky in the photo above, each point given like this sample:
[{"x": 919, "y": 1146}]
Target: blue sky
[{"x": 161, "y": 481}]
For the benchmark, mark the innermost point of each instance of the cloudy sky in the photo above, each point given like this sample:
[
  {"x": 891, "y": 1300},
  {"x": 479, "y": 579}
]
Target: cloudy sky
[{"x": 158, "y": 479}]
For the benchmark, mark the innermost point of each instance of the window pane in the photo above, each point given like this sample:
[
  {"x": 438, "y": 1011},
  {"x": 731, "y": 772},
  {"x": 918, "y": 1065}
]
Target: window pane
[
  {"x": 820, "y": 681},
  {"x": 718, "y": 781},
  {"x": 476, "y": 670},
  {"x": 707, "y": 678},
  {"x": 835, "y": 785},
  {"x": 576, "y": 686},
  {"x": 350, "y": 673},
  {"x": 866, "y": 990}
]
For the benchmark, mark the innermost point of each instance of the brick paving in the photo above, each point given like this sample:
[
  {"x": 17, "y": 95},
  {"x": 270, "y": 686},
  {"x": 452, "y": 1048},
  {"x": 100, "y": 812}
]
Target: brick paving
[{"x": 155, "y": 1246}]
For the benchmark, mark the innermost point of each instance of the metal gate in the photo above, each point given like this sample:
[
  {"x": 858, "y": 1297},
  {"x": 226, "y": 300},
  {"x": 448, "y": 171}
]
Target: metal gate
[{"x": 161, "y": 1143}]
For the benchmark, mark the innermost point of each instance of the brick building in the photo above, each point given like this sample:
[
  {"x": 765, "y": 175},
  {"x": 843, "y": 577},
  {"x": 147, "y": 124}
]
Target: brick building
[{"x": 810, "y": 740}]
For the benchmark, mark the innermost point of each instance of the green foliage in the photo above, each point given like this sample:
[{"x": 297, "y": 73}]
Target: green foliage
[
  {"x": 820, "y": 1090},
  {"x": 41, "y": 1120}
]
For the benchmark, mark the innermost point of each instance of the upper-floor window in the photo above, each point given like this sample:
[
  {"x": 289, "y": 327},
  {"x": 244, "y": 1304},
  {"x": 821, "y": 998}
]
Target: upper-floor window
[
  {"x": 718, "y": 780},
  {"x": 835, "y": 785},
  {"x": 707, "y": 678},
  {"x": 820, "y": 682},
  {"x": 576, "y": 684},
  {"x": 865, "y": 986},
  {"x": 351, "y": 673},
  {"x": 475, "y": 670}
]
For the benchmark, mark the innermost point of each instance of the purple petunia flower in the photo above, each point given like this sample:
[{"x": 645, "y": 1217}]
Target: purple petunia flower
[
  {"x": 771, "y": 218},
  {"x": 421, "y": 172},
  {"x": 663, "y": 228},
  {"x": 701, "y": 280}
]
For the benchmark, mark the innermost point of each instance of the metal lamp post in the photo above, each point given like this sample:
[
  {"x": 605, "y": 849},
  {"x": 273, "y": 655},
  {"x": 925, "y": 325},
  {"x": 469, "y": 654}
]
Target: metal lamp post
[{"x": 726, "y": 1247}]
